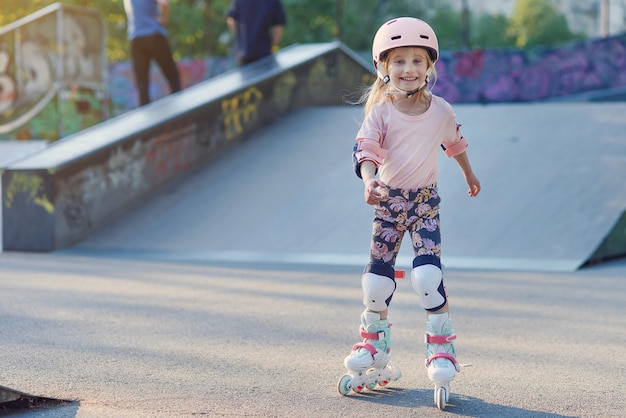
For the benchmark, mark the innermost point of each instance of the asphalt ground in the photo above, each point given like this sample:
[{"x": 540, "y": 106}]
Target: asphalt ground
[{"x": 135, "y": 338}]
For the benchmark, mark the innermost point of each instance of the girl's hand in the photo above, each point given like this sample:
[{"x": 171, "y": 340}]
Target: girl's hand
[
  {"x": 473, "y": 183},
  {"x": 375, "y": 191}
]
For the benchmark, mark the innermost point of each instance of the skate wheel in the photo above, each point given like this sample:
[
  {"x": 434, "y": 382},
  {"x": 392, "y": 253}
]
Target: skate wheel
[
  {"x": 344, "y": 385},
  {"x": 441, "y": 397},
  {"x": 371, "y": 386},
  {"x": 358, "y": 389},
  {"x": 383, "y": 383}
]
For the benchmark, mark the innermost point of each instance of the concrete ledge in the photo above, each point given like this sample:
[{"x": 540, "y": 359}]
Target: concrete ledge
[
  {"x": 56, "y": 197},
  {"x": 11, "y": 151}
]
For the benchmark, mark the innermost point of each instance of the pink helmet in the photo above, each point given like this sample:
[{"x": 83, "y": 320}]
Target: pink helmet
[{"x": 404, "y": 31}]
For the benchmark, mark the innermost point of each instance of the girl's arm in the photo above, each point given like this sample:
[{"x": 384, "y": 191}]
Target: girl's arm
[
  {"x": 470, "y": 178},
  {"x": 373, "y": 187}
]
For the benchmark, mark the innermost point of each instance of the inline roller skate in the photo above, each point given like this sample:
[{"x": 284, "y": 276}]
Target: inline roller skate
[
  {"x": 440, "y": 356},
  {"x": 369, "y": 362}
]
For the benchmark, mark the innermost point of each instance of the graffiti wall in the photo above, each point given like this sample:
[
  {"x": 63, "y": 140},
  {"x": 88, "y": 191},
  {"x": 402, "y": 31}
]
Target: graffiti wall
[
  {"x": 487, "y": 76},
  {"x": 53, "y": 74},
  {"x": 479, "y": 76},
  {"x": 513, "y": 75}
]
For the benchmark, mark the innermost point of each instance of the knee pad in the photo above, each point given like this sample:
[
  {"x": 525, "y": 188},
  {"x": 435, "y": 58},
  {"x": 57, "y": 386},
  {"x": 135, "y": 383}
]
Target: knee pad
[
  {"x": 378, "y": 285},
  {"x": 427, "y": 281}
]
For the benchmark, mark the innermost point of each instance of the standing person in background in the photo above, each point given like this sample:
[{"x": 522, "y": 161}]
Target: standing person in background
[
  {"x": 147, "y": 20},
  {"x": 257, "y": 26}
]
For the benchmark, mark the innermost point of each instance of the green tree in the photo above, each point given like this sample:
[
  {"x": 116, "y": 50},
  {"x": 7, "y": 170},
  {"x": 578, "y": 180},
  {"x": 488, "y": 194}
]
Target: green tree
[
  {"x": 447, "y": 25},
  {"x": 362, "y": 18},
  {"x": 12, "y": 10},
  {"x": 309, "y": 21},
  {"x": 491, "y": 31},
  {"x": 536, "y": 22},
  {"x": 197, "y": 28},
  {"x": 112, "y": 12}
]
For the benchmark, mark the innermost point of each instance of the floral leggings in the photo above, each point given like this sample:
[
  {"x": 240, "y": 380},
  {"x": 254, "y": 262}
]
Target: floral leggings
[{"x": 412, "y": 210}]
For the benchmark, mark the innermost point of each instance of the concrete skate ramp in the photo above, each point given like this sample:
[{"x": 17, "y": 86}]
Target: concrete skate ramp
[{"x": 553, "y": 178}]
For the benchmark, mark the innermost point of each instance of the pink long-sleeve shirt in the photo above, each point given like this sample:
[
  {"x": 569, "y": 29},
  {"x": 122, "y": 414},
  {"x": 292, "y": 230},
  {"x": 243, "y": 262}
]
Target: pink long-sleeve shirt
[{"x": 405, "y": 148}]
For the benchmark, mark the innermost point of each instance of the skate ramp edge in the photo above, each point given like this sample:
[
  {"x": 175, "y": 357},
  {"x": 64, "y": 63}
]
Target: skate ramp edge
[
  {"x": 12, "y": 401},
  {"x": 610, "y": 247},
  {"x": 613, "y": 245},
  {"x": 56, "y": 197}
]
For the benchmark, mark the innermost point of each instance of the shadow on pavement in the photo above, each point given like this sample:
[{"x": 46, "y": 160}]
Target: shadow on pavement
[{"x": 460, "y": 405}]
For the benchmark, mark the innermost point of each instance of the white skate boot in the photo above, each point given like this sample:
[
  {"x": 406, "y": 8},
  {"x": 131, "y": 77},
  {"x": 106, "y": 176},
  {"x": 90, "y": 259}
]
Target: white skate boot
[
  {"x": 369, "y": 362},
  {"x": 440, "y": 356}
]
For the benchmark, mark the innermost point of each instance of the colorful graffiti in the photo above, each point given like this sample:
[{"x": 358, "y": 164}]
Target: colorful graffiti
[
  {"x": 172, "y": 151},
  {"x": 84, "y": 194},
  {"x": 52, "y": 74},
  {"x": 30, "y": 185},
  {"x": 241, "y": 111},
  {"x": 122, "y": 86},
  {"x": 488, "y": 76}
]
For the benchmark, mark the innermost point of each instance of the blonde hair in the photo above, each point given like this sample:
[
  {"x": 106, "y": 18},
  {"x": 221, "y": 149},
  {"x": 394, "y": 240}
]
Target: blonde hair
[{"x": 377, "y": 92}]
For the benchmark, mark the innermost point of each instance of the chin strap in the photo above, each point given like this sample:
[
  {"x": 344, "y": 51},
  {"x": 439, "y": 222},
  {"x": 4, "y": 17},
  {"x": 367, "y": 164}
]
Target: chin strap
[{"x": 424, "y": 84}]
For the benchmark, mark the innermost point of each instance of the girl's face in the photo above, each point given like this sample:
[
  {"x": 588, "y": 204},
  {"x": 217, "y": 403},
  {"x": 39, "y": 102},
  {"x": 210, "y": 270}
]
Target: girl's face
[{"x": 407, "y": 67}]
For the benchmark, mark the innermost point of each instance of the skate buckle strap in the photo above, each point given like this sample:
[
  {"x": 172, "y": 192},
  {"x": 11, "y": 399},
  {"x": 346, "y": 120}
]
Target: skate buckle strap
[
  {"x": 439, "y": 339},
  {"x": 446, "y": 356},
  {"x": 368, "y": 347},
  {"x": 380, "y": 335}
]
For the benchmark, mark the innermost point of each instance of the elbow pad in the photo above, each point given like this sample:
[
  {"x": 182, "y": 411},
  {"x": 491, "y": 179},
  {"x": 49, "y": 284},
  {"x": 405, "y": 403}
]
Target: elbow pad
[
  {"x": 367, "y": 150},
  {"x": 459, "y": 146}
]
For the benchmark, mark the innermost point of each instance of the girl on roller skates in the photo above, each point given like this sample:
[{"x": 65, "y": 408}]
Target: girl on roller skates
[{"x": 396, "y": 156}]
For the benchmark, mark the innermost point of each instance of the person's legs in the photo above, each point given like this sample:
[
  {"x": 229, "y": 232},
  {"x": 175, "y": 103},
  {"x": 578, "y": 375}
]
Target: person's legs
[
  {"x": 378, "y": 285},
  {"x": 427, "y": 281},
  {"x": 369, "y": 362},
  {"x": 140, "y": 57},
  {"x": 162, "y": 54}
]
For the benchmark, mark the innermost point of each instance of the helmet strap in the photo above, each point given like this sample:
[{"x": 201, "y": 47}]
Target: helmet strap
[{"x": 424, "y": 84}]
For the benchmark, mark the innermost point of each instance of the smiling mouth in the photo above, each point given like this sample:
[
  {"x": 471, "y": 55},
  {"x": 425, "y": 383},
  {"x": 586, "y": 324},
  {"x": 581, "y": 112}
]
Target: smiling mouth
[{"x": 408, "y": 78}]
